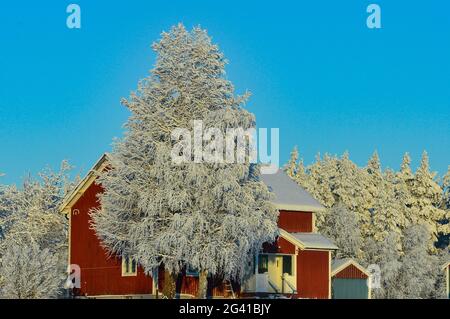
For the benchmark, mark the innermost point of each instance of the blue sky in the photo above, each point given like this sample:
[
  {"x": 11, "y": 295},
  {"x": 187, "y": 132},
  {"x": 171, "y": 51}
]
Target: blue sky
[{"x": 315, "y": 70}]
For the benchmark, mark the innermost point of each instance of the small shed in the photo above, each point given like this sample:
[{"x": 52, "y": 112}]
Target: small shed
[
  {"x": 349, "y": 280},
  {"x": 446, "y": 269}
]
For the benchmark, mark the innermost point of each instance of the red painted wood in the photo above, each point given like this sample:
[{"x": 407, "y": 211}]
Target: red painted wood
[
  {"x": 313, "y": 271},
  {"x": 280, "y": 246},
  {"x": 189, "y": 285},
  {"x": 351, "y": 272},
  {"x": 99, "y": 275},
  {"x": 296, "y": 222}
]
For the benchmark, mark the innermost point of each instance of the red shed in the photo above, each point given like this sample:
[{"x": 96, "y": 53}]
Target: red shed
[{"x": 349, "y": 280}]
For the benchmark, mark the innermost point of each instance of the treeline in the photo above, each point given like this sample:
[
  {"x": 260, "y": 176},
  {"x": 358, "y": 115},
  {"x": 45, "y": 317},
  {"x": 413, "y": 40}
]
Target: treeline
[{"x": 398, "y": 220}]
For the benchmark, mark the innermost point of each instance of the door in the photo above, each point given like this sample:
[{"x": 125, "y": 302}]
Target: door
[{"x": 275, "y": 273}]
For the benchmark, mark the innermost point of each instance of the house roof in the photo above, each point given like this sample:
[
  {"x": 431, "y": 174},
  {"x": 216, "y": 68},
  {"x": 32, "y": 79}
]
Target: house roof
[
  {"x": 340, "y": 264},
  {"x": 288, "y": 194},
  {"x": 446, "y": 264},
  {"x": 308, "y": 240}
]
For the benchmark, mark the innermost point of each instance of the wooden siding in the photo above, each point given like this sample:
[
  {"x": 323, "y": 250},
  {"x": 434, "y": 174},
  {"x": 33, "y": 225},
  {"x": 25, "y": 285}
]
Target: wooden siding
[
  {"x": 99, "y": 275},
  {"x": 280, "y": 246},
  {"x": 296, "y": 222},
  {"x": 313, "y": 274},
  {"x": 188, "y": 285},
  {"x": 350, "y": 272}
]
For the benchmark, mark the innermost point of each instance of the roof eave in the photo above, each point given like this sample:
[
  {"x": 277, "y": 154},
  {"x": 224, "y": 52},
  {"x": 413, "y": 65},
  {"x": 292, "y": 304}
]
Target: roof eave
[
  {"x": 348, "y": 263},
  {"x": 295, "y": 241},
  {"x": 299, "y": 208}
]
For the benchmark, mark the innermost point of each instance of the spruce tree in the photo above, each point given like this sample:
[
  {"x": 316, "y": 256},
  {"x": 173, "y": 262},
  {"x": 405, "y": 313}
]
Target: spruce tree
[{"x": 427, "y": 197}]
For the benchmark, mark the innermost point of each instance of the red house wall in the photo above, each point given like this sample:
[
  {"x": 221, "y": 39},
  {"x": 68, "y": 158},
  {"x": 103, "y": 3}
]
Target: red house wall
[
  {"x": 99, "y": 275},
  {"x": 313, "y": 274},
  {"x": 280, "y": 246},
  {"x": 296, "y": 222},
  {"x": 351, "y": 272},
  {"x": 189, "y": 285}
]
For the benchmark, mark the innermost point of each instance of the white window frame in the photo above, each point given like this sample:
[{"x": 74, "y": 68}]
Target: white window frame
[{"x": 130, "y": 272}]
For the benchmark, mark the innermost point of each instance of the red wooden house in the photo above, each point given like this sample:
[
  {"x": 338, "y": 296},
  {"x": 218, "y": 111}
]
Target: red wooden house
[{"x": 298, "y": 264}]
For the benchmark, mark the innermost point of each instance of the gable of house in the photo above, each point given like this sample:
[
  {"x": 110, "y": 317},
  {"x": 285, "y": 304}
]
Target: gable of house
[{"x": 101, "y": 274}]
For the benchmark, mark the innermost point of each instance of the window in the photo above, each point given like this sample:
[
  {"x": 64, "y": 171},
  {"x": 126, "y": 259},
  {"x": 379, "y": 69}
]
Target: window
[
  {"x": 263, "y": 264},
  {"x": 287, "y": 265},
  {"x": 190, "y": 271},
  {"x": 129, "y": 267}
]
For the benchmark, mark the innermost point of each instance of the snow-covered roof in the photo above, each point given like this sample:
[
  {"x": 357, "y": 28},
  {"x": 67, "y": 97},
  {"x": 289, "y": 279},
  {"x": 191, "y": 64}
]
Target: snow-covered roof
[
  {"x": 340, "y": 264},
  {"x": 288, "y": 194},
  {"x": 308, "y": 240},
  {"x": 314, "y": 240}
]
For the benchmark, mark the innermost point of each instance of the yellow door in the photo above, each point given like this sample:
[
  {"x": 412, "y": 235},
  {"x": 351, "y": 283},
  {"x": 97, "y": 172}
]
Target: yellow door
[{"x": 275, "y": 273}]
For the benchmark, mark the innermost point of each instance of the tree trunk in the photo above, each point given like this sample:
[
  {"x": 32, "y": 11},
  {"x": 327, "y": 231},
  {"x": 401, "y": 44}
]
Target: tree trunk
[
  {"x": 202, "y": 284},
  {"x": 169, "y": 288}
]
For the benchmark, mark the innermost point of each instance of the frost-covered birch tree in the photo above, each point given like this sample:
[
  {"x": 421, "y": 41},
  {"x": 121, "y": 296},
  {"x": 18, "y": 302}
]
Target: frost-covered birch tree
[
  {"x": 29, "y": 272},
  {"x": 30, "y": 217},
  {"x": 386, "y": 254},
  {"x": 209, "y": 216},
  {"x": 419, "y": 270},
  {"x": 341, "y": 226}
]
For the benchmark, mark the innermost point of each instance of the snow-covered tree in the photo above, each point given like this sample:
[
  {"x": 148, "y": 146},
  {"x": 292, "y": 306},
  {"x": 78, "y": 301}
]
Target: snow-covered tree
[
  {"x": 342, "y": 227},
  {"x": 29, "y": 216},
  {"x": 374, "y": 170},
  {"x": 392, "y": 208},
  {"x": 388, "y": 210},
  {"x": 321, "y": 173},
  {"x": 291, "y": 166},
  {"x": 206, "y": 215},
  {"x": 419, "y": 270},
  {"x": 29, "y": 272},
  {"x": 427, "y": 198},
  {"x": 444, "y": 234},
  {"x": 446, "y": 190},
  {"x": 385, "y": 254},
  {"x": 340, "y": 180},
  {"x": 31, "y": 213},
  {"x": 405, "y": 169}
]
